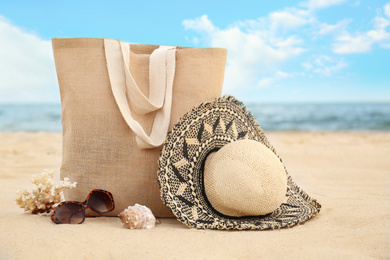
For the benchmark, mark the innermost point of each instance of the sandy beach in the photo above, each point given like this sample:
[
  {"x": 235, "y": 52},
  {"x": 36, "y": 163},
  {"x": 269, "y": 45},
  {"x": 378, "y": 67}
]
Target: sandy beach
[{"x": 348, "y": 173}]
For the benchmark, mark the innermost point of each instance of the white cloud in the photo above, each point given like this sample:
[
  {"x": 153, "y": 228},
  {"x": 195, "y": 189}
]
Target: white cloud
[
  {"x": 281, "y": 74},
  {"x": 270, "y": 81},
  {"x": 27, "y": 71},
  {"x": 202, "y": 24},
  {"x": 265, "y": 82},
  {"x": 325, "y": 28},
  {"x": 259, "y": 49},
  {"x": 362, "y": 42},
  {"x": 289, "y": 18},
  {"x": 378, "y": 35},
  {"x": 387, "y": 9},
  {"x": 307, "y": 65},
  {"x": 325, "y": 65},
  {"x": 253, "y": 51},
  {"x": 347, "y": 44},
  {"x": 321, "y": 4}
]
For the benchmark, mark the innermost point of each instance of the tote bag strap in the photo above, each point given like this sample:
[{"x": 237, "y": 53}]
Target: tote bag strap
[
  {"x": 126, "y": 92},
  {"x": 157, "y": 80}
]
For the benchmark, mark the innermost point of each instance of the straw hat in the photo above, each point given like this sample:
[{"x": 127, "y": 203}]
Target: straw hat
[{"x": 217, "y": 170}]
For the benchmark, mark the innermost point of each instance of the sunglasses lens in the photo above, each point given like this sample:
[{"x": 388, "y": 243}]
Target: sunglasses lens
[
  {"x": 70, "y": 213},
  {"x": 100, "y": 201}
]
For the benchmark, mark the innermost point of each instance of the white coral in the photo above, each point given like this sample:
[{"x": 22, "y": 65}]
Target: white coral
[{"x": 46, "y": 196}]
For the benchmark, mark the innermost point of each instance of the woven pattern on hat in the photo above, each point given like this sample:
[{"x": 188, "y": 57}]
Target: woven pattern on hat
[
  {"x": 205, "y": 129},
  {"x": 244, "y": 178}
]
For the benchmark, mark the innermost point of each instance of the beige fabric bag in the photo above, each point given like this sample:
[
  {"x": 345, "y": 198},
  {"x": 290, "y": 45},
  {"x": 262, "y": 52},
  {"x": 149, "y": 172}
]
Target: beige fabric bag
[{"x": 118, "y": 102}]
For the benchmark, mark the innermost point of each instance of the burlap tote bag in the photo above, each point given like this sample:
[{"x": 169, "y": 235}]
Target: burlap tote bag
[{"x": 119, "y": 101}]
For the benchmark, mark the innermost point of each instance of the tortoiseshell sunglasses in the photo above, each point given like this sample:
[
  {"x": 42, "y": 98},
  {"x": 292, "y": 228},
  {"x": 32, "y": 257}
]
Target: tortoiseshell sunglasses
[{"x": 73, "y": 212}]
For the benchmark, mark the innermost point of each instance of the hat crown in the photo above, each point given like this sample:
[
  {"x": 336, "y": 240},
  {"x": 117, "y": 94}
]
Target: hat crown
[{"x": 245, "y": 178}]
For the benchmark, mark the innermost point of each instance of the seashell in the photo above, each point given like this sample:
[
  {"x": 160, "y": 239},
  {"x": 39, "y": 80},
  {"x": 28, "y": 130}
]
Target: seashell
[{"x": 137, "y": 217}]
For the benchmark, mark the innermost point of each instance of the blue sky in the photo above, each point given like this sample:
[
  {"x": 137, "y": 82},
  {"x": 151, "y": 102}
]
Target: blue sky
[{"x": 278, "y": 51}]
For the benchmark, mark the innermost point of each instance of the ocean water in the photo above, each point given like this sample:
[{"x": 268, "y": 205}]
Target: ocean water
[
  {"x": 30, "y": 117},
  {"x": 323, "y": 117},
  {"x": 280, "y": 117}
]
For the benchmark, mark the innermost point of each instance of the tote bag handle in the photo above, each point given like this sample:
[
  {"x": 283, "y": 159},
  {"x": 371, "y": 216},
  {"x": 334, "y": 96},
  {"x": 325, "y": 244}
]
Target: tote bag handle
[{"x": 126, "y": 92}]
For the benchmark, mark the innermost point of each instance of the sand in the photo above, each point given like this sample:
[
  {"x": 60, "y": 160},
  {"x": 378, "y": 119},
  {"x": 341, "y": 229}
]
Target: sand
[{"x": 348, "y": 173}]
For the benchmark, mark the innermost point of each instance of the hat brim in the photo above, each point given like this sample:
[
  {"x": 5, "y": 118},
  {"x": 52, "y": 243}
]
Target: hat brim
[{"x": 205, "y": 129}]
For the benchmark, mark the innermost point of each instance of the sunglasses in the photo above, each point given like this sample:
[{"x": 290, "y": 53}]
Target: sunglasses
[{"x": 73, "y": 212}]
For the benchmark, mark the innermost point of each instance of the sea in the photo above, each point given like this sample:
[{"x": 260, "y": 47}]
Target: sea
[{"x": 270, "y": 116}]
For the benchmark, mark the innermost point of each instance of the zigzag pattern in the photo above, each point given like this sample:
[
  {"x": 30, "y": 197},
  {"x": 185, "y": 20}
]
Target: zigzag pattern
[{"x": 204, "y": 129}]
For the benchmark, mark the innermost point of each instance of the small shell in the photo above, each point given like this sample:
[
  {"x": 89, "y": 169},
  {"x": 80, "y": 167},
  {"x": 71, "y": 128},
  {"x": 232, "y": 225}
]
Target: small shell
[{"x": 137, "y": 216}]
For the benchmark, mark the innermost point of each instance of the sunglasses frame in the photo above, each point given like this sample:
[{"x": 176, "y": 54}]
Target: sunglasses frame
[{"x": 84, "y": 206}]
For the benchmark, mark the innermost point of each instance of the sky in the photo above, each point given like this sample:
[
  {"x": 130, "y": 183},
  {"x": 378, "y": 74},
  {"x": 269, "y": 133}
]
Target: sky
[{"x": 278, "y": 51}]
